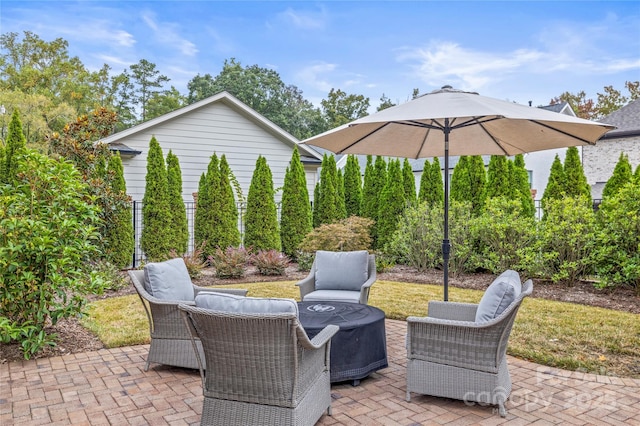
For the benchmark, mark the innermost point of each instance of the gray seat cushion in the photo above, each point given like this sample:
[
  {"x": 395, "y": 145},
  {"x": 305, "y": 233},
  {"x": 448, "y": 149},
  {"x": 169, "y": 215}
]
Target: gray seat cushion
[
  {"x": 346, "y": 270},
  {"x": 499, "y": 295},
  {"x": 169, "y": 280},
  {"x": 245, "y": 305},
  {"x": 333, "y": 295}
]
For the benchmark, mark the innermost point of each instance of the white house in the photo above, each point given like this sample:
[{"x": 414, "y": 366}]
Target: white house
[{"x": 219, "y": 124}]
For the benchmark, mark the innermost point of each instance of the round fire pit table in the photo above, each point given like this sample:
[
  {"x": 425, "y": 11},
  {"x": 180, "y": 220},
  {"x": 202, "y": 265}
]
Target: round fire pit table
[{"x": 359, "y": 348}]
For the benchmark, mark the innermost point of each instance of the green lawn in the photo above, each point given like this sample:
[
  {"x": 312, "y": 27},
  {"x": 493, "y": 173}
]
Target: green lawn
[{"x": 565, "y": 335}]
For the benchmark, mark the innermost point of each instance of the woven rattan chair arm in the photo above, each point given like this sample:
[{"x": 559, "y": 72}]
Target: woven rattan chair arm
[
  {"x": 452, "y": 310},
  {"x": 324, "y": 336},
  {"x": 307, "y": 285},
  {"x": 234, "y": 291}
]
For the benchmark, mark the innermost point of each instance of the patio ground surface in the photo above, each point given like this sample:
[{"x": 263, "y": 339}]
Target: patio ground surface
[{"x": 109, "y": 386}]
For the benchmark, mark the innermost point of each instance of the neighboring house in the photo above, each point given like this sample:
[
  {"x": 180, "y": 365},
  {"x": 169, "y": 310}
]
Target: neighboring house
[
  {"x": 538, "y": 163},
  {"x": 219, "y": 124},
  {"x": 600, "y": 160}
]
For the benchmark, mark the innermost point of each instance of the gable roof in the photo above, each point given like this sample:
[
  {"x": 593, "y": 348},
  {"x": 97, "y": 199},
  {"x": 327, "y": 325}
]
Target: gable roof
[
  {"x": 561, "y": 108},
  {"x": 234, "y": 103},
  {"x": 626, "y": 120}
]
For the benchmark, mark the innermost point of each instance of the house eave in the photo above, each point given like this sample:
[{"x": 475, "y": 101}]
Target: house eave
[{"x": 621, "y": 134}]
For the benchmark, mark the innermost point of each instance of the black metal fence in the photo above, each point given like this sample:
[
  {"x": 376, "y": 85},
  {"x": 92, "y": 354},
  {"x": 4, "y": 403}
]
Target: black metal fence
[{"x": 138, "y": 255}]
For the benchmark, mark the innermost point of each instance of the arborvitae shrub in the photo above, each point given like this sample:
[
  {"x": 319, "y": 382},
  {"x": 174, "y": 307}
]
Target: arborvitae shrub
[
  {"x": 622, "y": 174},
  {"x": 261, "y": 218},
  {"x": 409, "y": 180},
  {"x": 200, "y": 215},
  {"x": 295, "y": 210},
  {"x": 352, "y": 186},
  {"x": 575, "y": 184},
  {"x": 521, "y": 186},
  {"x": 478, "y": 181},
  {"x": 555, "y": 184},
  {"x": 179, "y": 230},
  {"x": 392, "y": 203},
  {"x": 156, "y": 216},
  {"x": 227, "y": 234},
  {"x": 120, "y": 242},
  {"x": 211, "y": 205},
  {"x": 329, "y": 208},
  {"x": 431, "y": 185},
  {"x": 498, "y": 179},
  {"x": 15, "y": 144}
]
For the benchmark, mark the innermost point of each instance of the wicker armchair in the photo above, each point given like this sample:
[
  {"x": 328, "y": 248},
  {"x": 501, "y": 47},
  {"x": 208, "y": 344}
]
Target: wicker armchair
[
  {"x": 310, "y": 291},
  {"x": 452, "y": 355},
  {"x": 170, "y": 339},
  {"x": 261, "y": 369}
]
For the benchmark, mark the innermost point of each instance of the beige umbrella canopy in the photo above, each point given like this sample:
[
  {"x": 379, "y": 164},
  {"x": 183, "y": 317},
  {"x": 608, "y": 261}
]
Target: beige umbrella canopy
[{"x": 453, "y": 122}]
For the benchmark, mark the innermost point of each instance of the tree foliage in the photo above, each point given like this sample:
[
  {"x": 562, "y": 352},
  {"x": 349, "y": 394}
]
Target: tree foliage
[
  {"x": 521, "y": 186},
  {"x": 352, "y": 186},
  {"x": 261, "y": 220},
  {"x": 409, "y": 180},
  {"x": 622, "y": 174},
  {"x": 329, "y": 207},
  {"x": 156, "y": 216},
  {"x": 498, "y": 179},
  {"x": 295, "y": 213},
  {"x": 392, "y": 203},
  {"x": 178, "y": 228},
  {"x": 15, "y": 146},
  {"x": 575, "y": 180},
  {"x": 48, "y": 232},
  {"x": 431, "y": 185},
  {"x": 229, "y": 232},
  {"x": 340, "y": 108},
  {"x": 120, "y": 242},
  {"x": 375, "y": 178},
  {"x": 555, "y": 184}
]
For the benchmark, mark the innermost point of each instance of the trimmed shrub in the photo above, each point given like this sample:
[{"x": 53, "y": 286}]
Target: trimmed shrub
[
  {"x": 329, "y": 206},
  {"x": 15, "y": 143},
  {"x": 120, "y": 242},
  {"x": 618, "y": 238},
  {"x": 295, "y": 210},
  {"x": 565, "y": 243},
  {"x": 156, "y": 216},
  {"x": 555, "y": 185},
  {"x": 622, "y": 174},
  {"x": 225, "y": 211},
  {"x": 352, "y": 186},
  {"x": 374, "y": 182},
  {"x": 502, "y": 232},
  {"x": 392, "y": 203},
  {"x": 498, "y": 179},
  {"x": 261, "y": 218},
  {"x": 410, "y": 194},
  {"x": 575, "y": 181},
  {"x": 431, "y": 185},
  {"x": 178, "y": 228},
  {"x": 521, "y": 186}
]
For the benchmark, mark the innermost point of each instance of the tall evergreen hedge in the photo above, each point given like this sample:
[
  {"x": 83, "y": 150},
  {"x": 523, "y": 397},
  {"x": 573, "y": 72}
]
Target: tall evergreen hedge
[
  {"x": 368, "y": 190},
  {"x": 460, "y": 181},
  {"x": 329, "y": 206},
  {"x": 555, "y": 184},
  {"x": 200, "y": 214},
  {"x": 498, "y": 179},
  {"x": 431, "y": 185},
  {"x": 409, "y": 180},
  {"x": 575, "y": 180},
  {"x": 295, "y": 210},
  {"x": 16, "y": 142},
  {"x": 229, "y": 234},
  {"x": 120, "y": 241},
  {"x": 521, "y": 186},
  {"x": 156, "y": 216},
  {"x": 179, "y": 231},
  {"x": 622, "y": 174},
  {"x": 316, "y": 205},
  {"x": 478, "y": 182},
  {"x": 342, "y": 208},
  {"x": 371, "y": 199},
  {"x": 392, "y": 204},
  {"x": 261, "y": 218},
  {"x": 352, "y": 186}
]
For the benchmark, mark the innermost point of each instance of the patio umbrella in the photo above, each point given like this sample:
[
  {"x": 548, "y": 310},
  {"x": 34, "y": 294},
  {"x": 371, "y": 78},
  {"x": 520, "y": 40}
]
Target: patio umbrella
[{"x": 454, "y": 122}]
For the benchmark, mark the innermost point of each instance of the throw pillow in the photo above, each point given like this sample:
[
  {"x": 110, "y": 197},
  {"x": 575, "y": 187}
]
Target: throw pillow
[
  {"x": 231, "y": 303},
  {"x": 169, "y": 280},
  {"x": 341, "y": 270},
  {"x": 500, "y": 294}
]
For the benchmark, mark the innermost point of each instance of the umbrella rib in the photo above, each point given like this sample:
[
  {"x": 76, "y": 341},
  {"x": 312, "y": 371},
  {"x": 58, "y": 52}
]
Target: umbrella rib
[
  {"x": 585, "y": 141},
  {"x": 357, "y": 141}
]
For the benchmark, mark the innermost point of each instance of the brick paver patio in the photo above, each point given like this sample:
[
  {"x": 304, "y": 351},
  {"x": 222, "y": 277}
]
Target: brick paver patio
[{"x": 109, "y": 386}]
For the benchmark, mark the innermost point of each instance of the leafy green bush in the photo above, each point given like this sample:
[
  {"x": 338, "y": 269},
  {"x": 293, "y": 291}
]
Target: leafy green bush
[
  {"x": 270, "y": 262},
  {"x": 418, "y": 239},
  {"x": 503, "y": 233},
  {"x": 229, "y": 263},
  {"x": 618, "y": 238},
  {"x": 353, "y": 233},
  {"x": 48, "y": 233},
  {"x": 564, "y": 247}
]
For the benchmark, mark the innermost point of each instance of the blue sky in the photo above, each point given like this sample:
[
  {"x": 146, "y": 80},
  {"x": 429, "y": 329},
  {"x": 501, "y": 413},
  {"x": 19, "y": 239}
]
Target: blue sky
[{"x": 519, "y": 51}]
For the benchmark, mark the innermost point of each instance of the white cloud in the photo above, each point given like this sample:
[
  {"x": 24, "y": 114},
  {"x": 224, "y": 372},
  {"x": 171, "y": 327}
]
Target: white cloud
[
  {"x": 315, "y": 76},
  {"x": 304, "y": 19},
  {"x": 167, "y": 34}
]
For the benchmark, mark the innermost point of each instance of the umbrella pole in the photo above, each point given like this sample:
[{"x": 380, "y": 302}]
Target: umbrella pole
[{"x": 446, "y": 246}]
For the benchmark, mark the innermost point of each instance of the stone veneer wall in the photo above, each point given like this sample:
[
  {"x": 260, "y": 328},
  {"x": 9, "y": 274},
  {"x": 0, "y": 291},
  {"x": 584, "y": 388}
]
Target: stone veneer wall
[{"x": 599, "y": 161}]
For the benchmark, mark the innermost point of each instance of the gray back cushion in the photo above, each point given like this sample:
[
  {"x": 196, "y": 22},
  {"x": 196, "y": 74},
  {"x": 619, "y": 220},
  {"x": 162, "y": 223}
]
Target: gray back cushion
[
  {"x": 341, "y": 270},
  {"x": 500, "y": 294},
  {"x": 169, "y": 280},
  {"x": 231, "y": 303}
]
